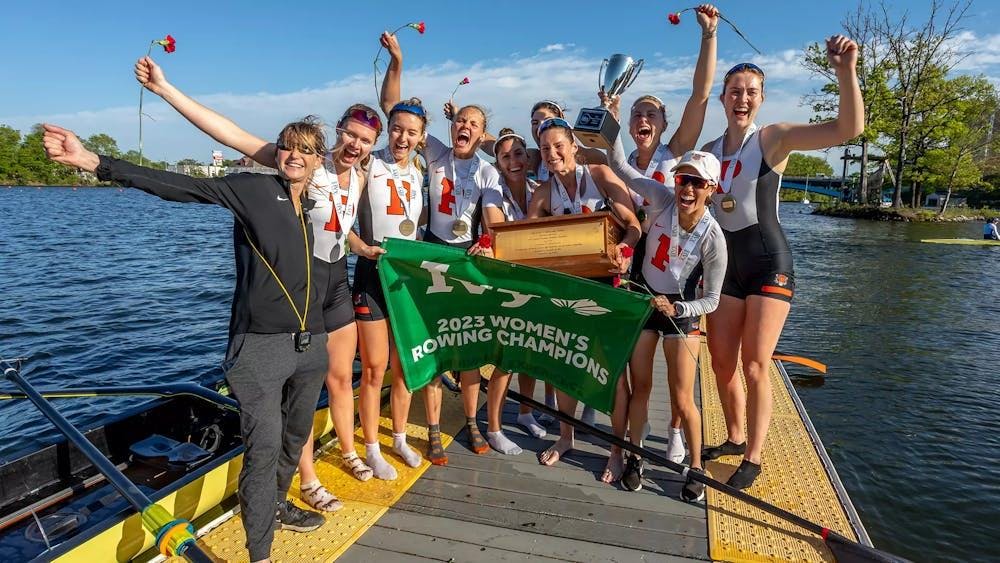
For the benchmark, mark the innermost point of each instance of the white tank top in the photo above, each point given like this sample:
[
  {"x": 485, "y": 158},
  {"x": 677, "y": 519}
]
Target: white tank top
[
  {"x": 333, "y": 213},
  {"x": 588, "y": 196},
  {"x": 450, "y": 198},
  {"x": 392, "y": 196},
  {"x": 736, "y": 198}
]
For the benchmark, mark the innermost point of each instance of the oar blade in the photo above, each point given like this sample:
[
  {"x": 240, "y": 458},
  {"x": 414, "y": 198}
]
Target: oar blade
[{"x": 849, "y": 551}]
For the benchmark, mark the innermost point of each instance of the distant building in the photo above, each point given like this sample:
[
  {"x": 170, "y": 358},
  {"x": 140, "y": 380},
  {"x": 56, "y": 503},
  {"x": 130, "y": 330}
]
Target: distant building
[
  {"x": 935, "y": 201},
  {"x": 198, "y": 170},
  {"x": 247, "y": 164}
]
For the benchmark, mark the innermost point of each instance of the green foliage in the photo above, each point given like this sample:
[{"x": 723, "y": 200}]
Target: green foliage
[
  {"x": 805, "y": 165},
  {"x": 188, "y": 162},
  {"x": 23, "y": 159}
]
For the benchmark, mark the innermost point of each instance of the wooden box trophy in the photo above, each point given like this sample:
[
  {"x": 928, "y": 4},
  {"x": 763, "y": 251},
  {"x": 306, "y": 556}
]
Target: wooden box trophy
[{"x": 578, "y": 245}]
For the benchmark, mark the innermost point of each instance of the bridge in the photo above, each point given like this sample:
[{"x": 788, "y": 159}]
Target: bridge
[{"x": 832, "y": 187}]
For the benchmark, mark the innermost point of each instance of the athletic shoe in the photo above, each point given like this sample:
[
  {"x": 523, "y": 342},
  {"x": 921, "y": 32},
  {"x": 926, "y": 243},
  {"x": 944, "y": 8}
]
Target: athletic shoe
[
  {"x": 745, "y": 475},
  {"x": 693, "y": 491},
  {"x": 632, "y": 477},
  {"x": 449, "y": 380},
  {"x": 725, "y": 448},
  {"x": 291, "y": 517}
]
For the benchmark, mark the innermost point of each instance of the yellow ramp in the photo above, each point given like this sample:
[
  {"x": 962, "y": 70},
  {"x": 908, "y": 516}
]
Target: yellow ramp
[
  {"x": 364, "y": 503},
  {"x": 793, "y": 478}
]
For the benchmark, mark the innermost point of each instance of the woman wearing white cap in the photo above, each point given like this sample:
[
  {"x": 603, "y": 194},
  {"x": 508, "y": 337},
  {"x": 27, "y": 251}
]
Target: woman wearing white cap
[{"x": 684, "y": 244}]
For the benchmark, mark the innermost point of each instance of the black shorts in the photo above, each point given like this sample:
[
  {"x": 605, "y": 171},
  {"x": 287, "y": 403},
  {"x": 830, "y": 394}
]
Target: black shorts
[
  {"x": 331, "y": 280},
  {"x": 689, "y": 326},
  {"x": 758, "y": 265},
  {"x": 369, "y": 301}
]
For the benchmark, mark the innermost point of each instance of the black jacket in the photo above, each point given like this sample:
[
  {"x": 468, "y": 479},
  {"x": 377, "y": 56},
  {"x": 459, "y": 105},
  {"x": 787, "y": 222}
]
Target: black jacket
[{"x": 261, "y": 207}]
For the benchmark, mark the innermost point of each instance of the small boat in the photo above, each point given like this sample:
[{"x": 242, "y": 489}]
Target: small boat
[
  {"x": 183, "y": 451},
  {"x": 966, "y": 241}
]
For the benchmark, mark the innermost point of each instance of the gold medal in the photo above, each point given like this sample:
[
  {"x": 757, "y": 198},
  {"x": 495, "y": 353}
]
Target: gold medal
[
  {"x": 407, "y": 227},
  {"x": 459, "y": 228},
  {"x": 729, "y": 204}
]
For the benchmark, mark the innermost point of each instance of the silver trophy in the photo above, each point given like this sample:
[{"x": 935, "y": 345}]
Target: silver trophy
[{"x": 595, "y": 127}]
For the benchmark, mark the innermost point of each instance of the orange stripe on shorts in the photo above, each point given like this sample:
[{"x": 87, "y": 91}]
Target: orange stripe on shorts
[
  {"x": 778, "y": 290},
  {"x": 362, "y": 310}
]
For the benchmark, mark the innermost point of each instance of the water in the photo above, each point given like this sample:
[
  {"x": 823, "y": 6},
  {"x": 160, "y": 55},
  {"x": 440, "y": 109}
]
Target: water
[{"x": 102, "y": 286}]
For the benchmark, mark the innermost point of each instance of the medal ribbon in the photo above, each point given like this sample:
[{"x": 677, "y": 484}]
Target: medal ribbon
[
  {"x": 463, "y": 190},
  {"x": 681, "y": 264},
  {"x": 576, "y": 203},
  {"x": 727, "y": 182}
]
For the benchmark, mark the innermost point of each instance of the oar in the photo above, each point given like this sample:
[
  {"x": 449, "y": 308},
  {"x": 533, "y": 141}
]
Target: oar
[
  {"x": 164, "y": 390},
  {"x": 174, "y": 536},
  {"x": 844, "y": 549},
  {"x": 801, "y": 360}
]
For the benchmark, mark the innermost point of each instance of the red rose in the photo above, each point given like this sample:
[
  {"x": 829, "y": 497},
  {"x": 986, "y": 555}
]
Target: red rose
[
  {"x": 485, "y": 241},
  {"x": 627, "y": 252},
  {"x": 420, "y": 27},
  {"x": 616, "y": 281},
  {"x": 674, "y": 18},
  {"x": 465, "y": 80}
]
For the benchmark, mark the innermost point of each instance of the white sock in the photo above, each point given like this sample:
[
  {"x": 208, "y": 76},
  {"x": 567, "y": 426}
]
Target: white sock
[
  {"x": 502, "y": 444},
  {"x": 380, "y": 467},
  {"x": 528, "y": 421},
  {"x": 403, "y": 450},
  {"x": 675, "y": 446}
]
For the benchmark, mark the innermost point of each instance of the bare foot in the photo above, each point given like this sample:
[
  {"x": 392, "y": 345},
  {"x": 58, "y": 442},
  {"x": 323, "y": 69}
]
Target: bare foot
[
  {"x": 615, "y": 468},
  {"x": 556, "y": 452}
]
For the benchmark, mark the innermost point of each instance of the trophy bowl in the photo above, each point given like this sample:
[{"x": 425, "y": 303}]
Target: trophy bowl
[{"x": 595, "y": 127}]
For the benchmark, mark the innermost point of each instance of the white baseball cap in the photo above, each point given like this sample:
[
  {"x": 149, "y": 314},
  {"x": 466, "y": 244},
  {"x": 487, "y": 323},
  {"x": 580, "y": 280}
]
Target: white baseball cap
[{"x": 702, "y": 164}]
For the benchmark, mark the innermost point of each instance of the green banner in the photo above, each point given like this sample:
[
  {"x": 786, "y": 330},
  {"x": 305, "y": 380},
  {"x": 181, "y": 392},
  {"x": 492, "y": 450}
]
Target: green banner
[{"x": 450, "y": 311}]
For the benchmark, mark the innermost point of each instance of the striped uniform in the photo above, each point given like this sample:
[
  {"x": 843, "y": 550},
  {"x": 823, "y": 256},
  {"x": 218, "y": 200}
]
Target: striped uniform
[{"x": 392, "y": 196}]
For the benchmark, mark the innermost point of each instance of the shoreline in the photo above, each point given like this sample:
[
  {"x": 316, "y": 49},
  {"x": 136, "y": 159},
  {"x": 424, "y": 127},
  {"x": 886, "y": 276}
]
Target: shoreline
[{"x": 905, "y": 215}]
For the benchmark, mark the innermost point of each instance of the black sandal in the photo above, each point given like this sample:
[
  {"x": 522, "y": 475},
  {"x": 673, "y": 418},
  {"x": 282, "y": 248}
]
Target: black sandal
[{"x": 725, "y": 448}]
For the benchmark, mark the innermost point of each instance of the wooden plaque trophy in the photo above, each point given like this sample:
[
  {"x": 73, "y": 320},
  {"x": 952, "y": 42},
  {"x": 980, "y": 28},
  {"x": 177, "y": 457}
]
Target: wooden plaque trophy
[{"x": 578, "y": 245}]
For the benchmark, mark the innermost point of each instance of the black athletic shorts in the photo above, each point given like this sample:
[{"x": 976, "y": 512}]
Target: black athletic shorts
[
  {"x": 690, "y": 326},
  {"x": 432, "y": 238},
  {"x": 369, "y": 301},
  {"x": 758, "y": 265},
  {"x": 331, "y": 280}
]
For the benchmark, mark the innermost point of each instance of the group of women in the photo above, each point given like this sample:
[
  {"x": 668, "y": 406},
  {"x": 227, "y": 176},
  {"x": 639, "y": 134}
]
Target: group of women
[{"x": 733, "y": 265}]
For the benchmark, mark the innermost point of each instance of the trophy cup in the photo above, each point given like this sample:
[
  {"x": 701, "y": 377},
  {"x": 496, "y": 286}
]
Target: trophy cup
[{"x": 595, "y": 127}]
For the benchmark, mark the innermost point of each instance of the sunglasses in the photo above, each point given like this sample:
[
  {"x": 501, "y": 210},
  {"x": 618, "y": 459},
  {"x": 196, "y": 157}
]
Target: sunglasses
[
  {"x": 744, "y": 67},
  {"x": 364, "y": 116},
  {"x": 302, "y": 150},
  {"x": 408, "y": 108},
  {"x": 553, "y": 122},
  {"x": 684, "y": 180}
]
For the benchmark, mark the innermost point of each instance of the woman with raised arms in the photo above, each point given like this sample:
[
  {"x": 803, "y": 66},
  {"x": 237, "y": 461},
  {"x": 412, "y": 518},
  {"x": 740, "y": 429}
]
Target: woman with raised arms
[
  {"x": 335, "y": 190},
  {"x": 574, "y": 188},
  {"x": 463, "y": 200},
  {"x": 760, "y": 281},
  {"x": 653, "y": 159}
]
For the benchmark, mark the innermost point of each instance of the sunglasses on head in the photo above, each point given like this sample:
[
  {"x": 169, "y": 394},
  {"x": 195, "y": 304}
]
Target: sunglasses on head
[
  {"x": 744, "y": 67},
  {"x": 553, "y": 122},
  {"x": 684, "y": 180},
  {"x": 289, "y": 148},
  {"x": 364, "y": 116},
  {"x": 408, "y": 108}
]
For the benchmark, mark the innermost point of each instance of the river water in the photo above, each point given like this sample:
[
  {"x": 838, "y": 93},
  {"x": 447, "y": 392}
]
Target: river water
[{"x": 109, "y": 286}]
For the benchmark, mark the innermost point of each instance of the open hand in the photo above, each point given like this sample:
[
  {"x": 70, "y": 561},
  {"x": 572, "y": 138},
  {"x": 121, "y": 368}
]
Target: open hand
[
  {"x": 150, "y": 75},
  {"x": 842, "y": 52},
  {"x": 619, "y": 259},
  {"x": 476, "y": 250},
  {"x": 63, "y": 146}
]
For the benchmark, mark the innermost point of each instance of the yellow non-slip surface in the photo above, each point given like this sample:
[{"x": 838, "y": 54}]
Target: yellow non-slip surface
[
  {"x": 364, "y": 503},
  {"x": 793, "y": 478}
]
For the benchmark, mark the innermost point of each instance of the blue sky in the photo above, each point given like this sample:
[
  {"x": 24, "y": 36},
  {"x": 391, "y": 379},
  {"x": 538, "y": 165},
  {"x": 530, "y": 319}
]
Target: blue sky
[{"x": 266, "y": 63}]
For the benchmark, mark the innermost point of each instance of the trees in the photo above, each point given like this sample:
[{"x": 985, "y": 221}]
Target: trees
[
  {"x": 805, "y": 165},
  {"x": 10, "y": 142}
]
